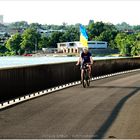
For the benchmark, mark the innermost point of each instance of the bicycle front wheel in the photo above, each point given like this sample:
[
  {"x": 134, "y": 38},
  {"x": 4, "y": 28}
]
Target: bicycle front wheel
[
  {"x": 84, "y": 80},
  {"x": 88, "y": 82},
  {"x": 87, "y": 79}
]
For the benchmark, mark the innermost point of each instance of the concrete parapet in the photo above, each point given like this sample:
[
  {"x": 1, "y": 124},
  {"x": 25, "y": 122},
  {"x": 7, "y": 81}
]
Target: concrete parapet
[{"x": 19, "y": 81}]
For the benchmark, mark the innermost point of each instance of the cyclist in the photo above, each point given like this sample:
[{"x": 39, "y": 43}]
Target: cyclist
[{"x": 85, "y": 57}]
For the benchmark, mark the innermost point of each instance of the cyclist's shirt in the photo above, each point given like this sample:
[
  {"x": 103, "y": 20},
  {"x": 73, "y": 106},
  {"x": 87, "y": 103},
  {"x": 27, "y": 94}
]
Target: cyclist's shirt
[{"x": 86, "y": 57}]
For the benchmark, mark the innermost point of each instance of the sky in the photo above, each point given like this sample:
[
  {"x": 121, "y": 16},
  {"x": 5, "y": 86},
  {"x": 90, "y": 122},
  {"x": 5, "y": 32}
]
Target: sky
[{"x": 71, "y": 11}]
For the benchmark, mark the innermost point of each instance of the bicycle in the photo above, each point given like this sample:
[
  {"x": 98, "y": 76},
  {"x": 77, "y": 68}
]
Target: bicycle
[{"x": 86, "y": 78}]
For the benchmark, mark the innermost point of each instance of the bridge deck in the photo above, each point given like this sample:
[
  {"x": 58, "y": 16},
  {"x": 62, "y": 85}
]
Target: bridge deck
[{"x": 109, "y": 108}]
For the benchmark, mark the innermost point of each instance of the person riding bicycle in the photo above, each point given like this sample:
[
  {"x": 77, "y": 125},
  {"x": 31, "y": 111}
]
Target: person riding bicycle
[{"x": 85, "y": 57}]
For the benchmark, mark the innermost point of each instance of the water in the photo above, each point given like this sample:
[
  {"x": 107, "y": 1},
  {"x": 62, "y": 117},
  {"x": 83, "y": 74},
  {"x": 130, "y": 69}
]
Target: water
[{"x": 25, "y": 61}]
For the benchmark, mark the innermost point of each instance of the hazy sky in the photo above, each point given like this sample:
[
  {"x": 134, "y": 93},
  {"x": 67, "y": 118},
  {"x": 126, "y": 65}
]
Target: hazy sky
[{"x": 71, "y": 11}]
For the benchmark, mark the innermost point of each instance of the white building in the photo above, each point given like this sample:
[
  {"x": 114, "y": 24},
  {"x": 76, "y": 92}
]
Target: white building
[{"x": 76, "y": 47}]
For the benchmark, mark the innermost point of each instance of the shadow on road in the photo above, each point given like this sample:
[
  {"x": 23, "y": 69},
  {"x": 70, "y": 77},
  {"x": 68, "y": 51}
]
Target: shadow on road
[
  {"x": 113, "y": 87},
  {"x": 106, "y": 125}
]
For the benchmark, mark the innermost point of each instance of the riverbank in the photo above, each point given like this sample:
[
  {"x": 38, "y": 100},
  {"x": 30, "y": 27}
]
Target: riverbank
[{"x": 56, "y": 54}]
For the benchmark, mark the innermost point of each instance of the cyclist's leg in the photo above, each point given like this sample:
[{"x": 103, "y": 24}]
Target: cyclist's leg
[
  {"x": 89, "y": 71},
  {"x": 82, "y": 72}
]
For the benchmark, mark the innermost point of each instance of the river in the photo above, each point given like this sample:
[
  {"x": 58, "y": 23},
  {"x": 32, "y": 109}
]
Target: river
[{"x": 14, "y": 61}]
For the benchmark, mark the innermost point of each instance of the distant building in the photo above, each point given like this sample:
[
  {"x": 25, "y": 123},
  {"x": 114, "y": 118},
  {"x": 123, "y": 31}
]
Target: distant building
[
  {"x": 3, "y": 38},
  {"x": 129, "y": 31},
  {"x": 14, "y": 31},
  {"x": 48, "y": 32},
  {"x": 49, "y": 50},
  {"x": 76, "y": 46},
  {"x": 1, "y": 19}
]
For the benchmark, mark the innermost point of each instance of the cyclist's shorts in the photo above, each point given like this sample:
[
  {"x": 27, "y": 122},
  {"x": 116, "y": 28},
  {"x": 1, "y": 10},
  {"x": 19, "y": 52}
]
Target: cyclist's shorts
[{"x": 82, "y": 65}]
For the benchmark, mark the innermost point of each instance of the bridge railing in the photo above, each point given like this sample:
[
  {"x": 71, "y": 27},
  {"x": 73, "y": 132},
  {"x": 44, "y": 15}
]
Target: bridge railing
[{"x": 20, "y": 81}]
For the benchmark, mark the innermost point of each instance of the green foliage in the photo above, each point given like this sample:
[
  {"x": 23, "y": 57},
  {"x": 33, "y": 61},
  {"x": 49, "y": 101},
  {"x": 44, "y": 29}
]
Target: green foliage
[
  {"x": 124, "y": 26},
  {"x": 128, "y": 44},
  {"x": 13, "y": 43},
  {"x": 44, "y": 42},
  {"x": 54, "y": 39},
  {"x": 136, "y": 47},
  {"x": 102, "y": 32},
  {"x": 136, "y": 28},
  {"x": 121, "y": 43},
  {"x": 95, "y": 29},
  {"x": 1, "y": 54},
  {"x": 30, "y": 39},
  {"x": 19, "y": 25},
  {"x": 35, "y": 26},
  {"x": 2, "y": 49},
  {"x": 71, "y": 34},
  {"x": 10, "y": 53}
]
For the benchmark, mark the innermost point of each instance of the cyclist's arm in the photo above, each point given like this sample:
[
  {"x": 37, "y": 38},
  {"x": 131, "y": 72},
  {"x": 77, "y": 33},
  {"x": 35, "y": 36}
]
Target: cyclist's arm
[
  {"x": 91, "y": 60},
  {"x": 79, "y": 61}
]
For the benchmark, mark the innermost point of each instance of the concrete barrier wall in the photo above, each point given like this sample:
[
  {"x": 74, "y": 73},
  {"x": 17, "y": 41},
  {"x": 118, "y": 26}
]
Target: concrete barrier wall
[
  {"x": 102, "y": 67},
  {"x": 19, "y": 81}
]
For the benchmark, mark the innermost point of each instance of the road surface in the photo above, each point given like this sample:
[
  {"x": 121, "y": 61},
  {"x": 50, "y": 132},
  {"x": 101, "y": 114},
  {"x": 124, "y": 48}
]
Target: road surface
[{"x": 109, "y": 108}]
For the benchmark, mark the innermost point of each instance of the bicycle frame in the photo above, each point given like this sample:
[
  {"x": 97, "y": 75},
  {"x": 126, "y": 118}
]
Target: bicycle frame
[{"x": 86, "y": 79}]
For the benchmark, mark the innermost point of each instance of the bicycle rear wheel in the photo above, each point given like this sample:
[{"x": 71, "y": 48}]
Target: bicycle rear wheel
[
  {"x": 87, "y": 79},
  {"x": 84, "y": 80},
  {"x": 88, "y": 82}
]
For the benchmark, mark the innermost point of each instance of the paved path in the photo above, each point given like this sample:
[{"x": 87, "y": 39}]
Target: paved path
[{"x": 109, "y": 108}]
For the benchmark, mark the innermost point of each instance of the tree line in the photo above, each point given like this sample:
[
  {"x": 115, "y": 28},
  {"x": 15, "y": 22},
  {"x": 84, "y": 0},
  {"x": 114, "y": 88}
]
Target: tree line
[{"x": 124, "y": 37}]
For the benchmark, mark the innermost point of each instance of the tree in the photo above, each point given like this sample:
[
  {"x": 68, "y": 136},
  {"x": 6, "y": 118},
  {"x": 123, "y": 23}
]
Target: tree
[
  {"x": 44, "y": 42},
  {"x": 19, "y": 25},
  {"x": 136, "y": 28},
  {"x": 71, "y": 34},
  {"x": 13, "y": 43},
  {"x": 35, "y": 26},
  {"x": 120, "y": 42},
  {"x": 95, "y": 29},
  {"x": 136, "y": 47},
  {"x": 91, "y": 21},
  {"x": 103, "y": 32},
  {"x": 54, "y": 39},
  {"x": 3, "y": 49},
  {"x": 124, "y": 26},
  {"x": 125, "y": 43},
  {"x": 30, "y": 39}
]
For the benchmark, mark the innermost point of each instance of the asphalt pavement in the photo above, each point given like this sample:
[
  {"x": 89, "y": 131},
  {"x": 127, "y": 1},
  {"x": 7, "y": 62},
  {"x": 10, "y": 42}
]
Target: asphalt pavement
[{"x": 109, "y": 108}]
